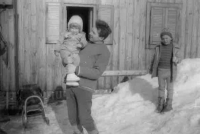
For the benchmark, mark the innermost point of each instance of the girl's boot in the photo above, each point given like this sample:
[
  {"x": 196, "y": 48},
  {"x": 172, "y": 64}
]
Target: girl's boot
[
  {"x": 161, "y": 102},
  {"x": 168, "y": 105}
]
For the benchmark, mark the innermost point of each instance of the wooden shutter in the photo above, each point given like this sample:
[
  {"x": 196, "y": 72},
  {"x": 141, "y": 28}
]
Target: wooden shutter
[
  {"x": 106, "y": 13},
  {"x": 160, "y": 16},
  {"x": 172, "y": 22},
  {"x": 53, "y": 22},
  {"x": 157, "y": 24}
]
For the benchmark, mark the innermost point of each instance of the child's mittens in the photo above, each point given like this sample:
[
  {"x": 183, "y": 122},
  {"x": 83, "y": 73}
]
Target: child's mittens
[
  {"x": 175, "y": 60},
  {"x": 79, "y": 45},
  {"x": 70, "y": 68},
  {"x": 67, "y": 35},
  {"x": 83, "y": 40},
  {"x": 68, "y": 60}
]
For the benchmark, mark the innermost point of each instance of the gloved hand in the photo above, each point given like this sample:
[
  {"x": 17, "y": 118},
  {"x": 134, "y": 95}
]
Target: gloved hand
[
  {"x": 83, "y": 41},
  {"x": 67, "y": 35},
  {"x": 79, "y": 45},
  {"x": 175, "y": 60},
  {"x": 68, "y": 60},
  {"x": 70, "y": 68}
]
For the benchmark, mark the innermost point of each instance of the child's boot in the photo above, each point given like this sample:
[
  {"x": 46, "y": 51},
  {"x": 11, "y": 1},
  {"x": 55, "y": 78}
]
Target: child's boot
[
  {"x": 168, "y": 105},
  {"x": 95, "y": 131},
  {"x": 76, "y": 130},
  {"x": 72, "y": 77},
  {"x": 72, "y": 83},
  {"x": 160, "y": 106}
]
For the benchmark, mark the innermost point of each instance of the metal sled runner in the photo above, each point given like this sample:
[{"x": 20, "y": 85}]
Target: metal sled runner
[{"x": 31, "y": 100}]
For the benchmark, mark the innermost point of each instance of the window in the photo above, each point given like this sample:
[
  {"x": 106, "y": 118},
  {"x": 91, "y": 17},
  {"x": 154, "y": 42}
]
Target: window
[
  {"x": 160, "y": 16},
  {"x": 59, "y": 14}
]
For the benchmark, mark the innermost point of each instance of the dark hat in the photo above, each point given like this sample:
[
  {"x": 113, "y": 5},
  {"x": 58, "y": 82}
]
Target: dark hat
[{"x": 165, "y": 32}]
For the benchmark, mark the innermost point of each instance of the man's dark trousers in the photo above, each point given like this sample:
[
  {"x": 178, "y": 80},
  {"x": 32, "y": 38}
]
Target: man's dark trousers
[{"x": 79, "y": 103}]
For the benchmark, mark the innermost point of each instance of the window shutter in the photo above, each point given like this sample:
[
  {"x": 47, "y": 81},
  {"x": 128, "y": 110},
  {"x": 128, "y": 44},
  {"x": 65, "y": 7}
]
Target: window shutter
[
  {"x": 157, "y": 24},
  {"x": 160, "y": 16},
  {"x": 106, "y": 13},
  {"x": 172, "y": 22},
  {"x": 52, "y": 22}
]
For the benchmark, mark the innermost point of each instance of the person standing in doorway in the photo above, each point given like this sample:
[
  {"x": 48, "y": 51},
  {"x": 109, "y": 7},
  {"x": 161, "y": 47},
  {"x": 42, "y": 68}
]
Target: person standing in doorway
[
  {"x": 94, "y": 59},
  {"x": 164, "y": 66}
]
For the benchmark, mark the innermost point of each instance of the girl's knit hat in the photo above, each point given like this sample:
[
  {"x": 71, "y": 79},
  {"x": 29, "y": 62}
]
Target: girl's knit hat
[
  {"x": 166, "y": 31},
  {"x": 76, "y": 20}
]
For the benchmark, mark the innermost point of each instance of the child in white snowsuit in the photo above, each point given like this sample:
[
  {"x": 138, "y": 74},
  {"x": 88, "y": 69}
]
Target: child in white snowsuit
[{"x": 74, "y": 40}]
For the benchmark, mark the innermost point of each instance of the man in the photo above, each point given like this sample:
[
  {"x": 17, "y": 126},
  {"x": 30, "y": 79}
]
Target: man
[{"x": 94, "y": 59}]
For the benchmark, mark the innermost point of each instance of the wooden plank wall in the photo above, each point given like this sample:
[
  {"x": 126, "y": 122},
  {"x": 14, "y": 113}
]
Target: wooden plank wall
[
  {"x": 7, "y": 73},
  {"x": 38, "y": 64},
  {"x": 7, "y": 61}
]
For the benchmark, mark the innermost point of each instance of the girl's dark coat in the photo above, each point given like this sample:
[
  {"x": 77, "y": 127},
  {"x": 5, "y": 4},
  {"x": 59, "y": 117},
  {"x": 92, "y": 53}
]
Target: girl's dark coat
[{"x": 157, "y": 54}]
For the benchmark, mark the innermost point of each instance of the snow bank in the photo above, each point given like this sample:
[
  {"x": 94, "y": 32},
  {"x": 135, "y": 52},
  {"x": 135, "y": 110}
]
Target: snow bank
[
  {"x": 188, "y": 74},
  {"x": 131, "y": 108}
]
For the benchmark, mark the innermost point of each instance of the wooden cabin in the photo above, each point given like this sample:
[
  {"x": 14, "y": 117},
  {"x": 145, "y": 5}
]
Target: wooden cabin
[{"x": 32, "y": 28}]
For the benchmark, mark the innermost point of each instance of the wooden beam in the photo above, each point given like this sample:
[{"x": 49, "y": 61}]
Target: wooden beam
[
  {"x": 3, "y": 6},
  {"x": 124, "y": 73},
  {"x": 102, "y": 91},
  {"x": 16, "y": 39},
  {"x": 6, "y": 2}
]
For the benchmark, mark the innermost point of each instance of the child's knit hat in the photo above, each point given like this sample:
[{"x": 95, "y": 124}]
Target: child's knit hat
[
  {"x": 166, "y": 31},
  {"x": 75, "y": 19}
]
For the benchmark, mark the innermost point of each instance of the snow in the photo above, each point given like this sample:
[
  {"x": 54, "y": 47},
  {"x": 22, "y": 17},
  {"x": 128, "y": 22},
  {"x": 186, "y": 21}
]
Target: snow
[{"x": 131, "y": 108}]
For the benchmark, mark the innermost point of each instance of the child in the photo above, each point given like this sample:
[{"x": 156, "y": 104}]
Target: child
[
  {"x": 74, "y": 40},
  {"x": 164, "y": 66}
]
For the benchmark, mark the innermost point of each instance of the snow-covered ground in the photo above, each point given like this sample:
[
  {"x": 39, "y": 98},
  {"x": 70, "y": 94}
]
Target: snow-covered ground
[{"x": 131, "y": 109}]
